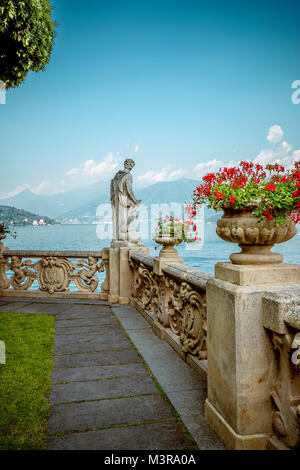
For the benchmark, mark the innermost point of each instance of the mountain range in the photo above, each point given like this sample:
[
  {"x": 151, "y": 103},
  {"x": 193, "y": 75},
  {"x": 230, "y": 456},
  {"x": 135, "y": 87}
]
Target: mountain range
[{"x": 80, "y": 205}]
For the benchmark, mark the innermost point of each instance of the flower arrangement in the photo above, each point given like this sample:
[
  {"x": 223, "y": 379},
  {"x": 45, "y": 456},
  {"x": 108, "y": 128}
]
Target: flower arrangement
[
  {"x": 4, "y": 230},
  {"x": 177, "y": 229},
  {"x": 272, "y": 192}
]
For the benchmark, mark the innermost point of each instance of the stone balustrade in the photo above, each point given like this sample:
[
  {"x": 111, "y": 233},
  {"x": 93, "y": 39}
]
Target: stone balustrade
[
  {"x": 53, "y": 271},
  {"x": 173, "y": 300},
  {"x": 281, "y": 317}
]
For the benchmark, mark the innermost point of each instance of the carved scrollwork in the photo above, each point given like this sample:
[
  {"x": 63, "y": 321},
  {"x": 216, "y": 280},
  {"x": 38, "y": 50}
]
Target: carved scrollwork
[
  {"x": 23, "y": 276},
  {"x": 54, "y": 274},
  {"x": 161, "y": 302},
  {"x": 295, "y": 357},
  {"x": 85, "y": 280},
  {"x": 146, "y": 289},
  {"x": 176, "y": 305},
  {"x": 286, "y": 392},
  {"x": 188, "y": 318}
]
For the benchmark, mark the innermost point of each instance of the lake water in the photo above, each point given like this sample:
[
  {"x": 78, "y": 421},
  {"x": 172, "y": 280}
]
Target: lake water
[{"x": 84, "y": 237}]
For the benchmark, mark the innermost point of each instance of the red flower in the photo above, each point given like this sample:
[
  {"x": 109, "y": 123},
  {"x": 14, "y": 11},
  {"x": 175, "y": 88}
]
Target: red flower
[
  {"x": 295, "y": 218},
  {"x": 232, "y": 199},
  {"x": 219, "y": 195},
  {"x": 271, "y": 187},
  {"x": 268, "y": 214}
]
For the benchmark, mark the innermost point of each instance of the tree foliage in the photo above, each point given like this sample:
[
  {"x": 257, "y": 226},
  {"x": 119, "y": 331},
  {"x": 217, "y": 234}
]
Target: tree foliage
[{"x": 27, "y": 34}]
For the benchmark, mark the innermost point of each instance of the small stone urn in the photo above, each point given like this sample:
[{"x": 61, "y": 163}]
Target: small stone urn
[
  {"x": 253, "y": 237},
  {"x": 168, "y": 253}
]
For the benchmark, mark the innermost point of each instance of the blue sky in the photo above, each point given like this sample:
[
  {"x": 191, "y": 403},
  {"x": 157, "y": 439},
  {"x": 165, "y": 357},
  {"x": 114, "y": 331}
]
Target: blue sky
[{"x": 179, "y": 85}]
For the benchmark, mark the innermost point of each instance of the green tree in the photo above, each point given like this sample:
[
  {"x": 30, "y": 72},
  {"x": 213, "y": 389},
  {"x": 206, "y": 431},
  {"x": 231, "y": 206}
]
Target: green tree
[{"x": 27, "y": 34}]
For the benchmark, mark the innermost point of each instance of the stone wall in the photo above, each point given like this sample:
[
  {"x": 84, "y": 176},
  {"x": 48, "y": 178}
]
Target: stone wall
[{"x": 173, "y": 300}]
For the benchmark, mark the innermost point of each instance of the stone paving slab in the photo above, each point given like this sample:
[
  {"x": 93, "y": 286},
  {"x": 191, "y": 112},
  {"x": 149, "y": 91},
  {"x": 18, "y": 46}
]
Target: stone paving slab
[
  {"x": 104, "y": 413},
  {"x": 12, "y": 307},
  {"x": 75, "y": 374},
  {"x": 77, "y": 322},
  {"x": 131, "y": 323},
  {"x": 113, "y": 339},
  {"x": 40, "y": 308},
  {"x": 87, "y": 309},
  {"x": 78, "y": 338},
  {"x": 155, "y": 436},
  {"x": 100, "y": 389},
  {"x": 71, "y": 315},
  {"x": 50, "y": 299},
  {"x": 85, "y": 329},
  {"x": 104, "y": 358}
]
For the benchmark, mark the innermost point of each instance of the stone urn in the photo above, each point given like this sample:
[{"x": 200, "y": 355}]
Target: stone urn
[
  {"x": 255, "y": 238},
  {"x": 168, "y": 251}
]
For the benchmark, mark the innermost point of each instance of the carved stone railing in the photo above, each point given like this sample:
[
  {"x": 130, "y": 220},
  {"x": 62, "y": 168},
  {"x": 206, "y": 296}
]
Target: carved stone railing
[
  {"x": 282, "y": 319},
  {"x": 53, "y": 271},
  {"x": 174, "y": 302}
]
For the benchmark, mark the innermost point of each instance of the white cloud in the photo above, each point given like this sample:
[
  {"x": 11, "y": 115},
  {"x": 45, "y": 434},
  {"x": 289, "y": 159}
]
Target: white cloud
[
  {"x": 209, "y": 167},
  {"x": 281, "y": 153},
  {"x": 49, "y": 188},
  {"x": 96, "y": 170},
  {"x": 286, "y": 147},
  {"x": 136, "y": 148},
  {"x": 275, "y": 134},
  {"x": 165, "y": 174},
  {"x": 265, "y": 157},
  {"x": 296, "y": 156},
  {"x": 73, "y": 171},
  {"x": 15, "y": 191}
]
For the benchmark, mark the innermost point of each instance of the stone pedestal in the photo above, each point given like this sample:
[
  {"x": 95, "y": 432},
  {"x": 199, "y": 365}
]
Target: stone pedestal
[
  {"x": 120, "y": 274},
  {"x": 241, "y": 362},
  {"x": 168, "y": 254}
]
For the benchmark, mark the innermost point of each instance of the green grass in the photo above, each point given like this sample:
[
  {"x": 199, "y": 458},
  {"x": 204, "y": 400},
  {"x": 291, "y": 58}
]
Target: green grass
[{"x": 25, "y": 380}]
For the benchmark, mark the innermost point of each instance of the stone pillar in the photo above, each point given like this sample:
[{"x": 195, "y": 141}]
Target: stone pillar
[
  {"x": 241, "y": 362},
  {"x": 114, "y": 277},
  {"x": 4, "y": 281},
  {"x": 120, "y": 273}
]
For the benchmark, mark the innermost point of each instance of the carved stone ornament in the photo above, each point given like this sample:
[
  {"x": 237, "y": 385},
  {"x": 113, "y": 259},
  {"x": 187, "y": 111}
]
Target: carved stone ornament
[
  {"x": 286, "y": 392},
  {"x": 187, "y": 309},
  {"x": 254, "y": 238},
  {"x": 54, "y": 274},
  {"x": 175, "y": 304}
]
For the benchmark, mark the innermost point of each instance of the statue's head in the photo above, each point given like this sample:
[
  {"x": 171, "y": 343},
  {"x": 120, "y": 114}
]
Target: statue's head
[{"x": 129, "y": 164}]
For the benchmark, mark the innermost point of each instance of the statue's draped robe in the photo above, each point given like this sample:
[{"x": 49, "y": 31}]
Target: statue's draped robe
[{"x": 123, "y": 207}]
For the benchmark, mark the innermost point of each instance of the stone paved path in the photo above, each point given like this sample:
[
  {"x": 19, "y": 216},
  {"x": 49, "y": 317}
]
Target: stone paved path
[{"x": 103, "y": 396}]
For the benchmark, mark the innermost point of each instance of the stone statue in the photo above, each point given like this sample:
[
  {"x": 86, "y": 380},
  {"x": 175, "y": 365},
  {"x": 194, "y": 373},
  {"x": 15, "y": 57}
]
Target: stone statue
[{"x": 124, "y": 205}]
